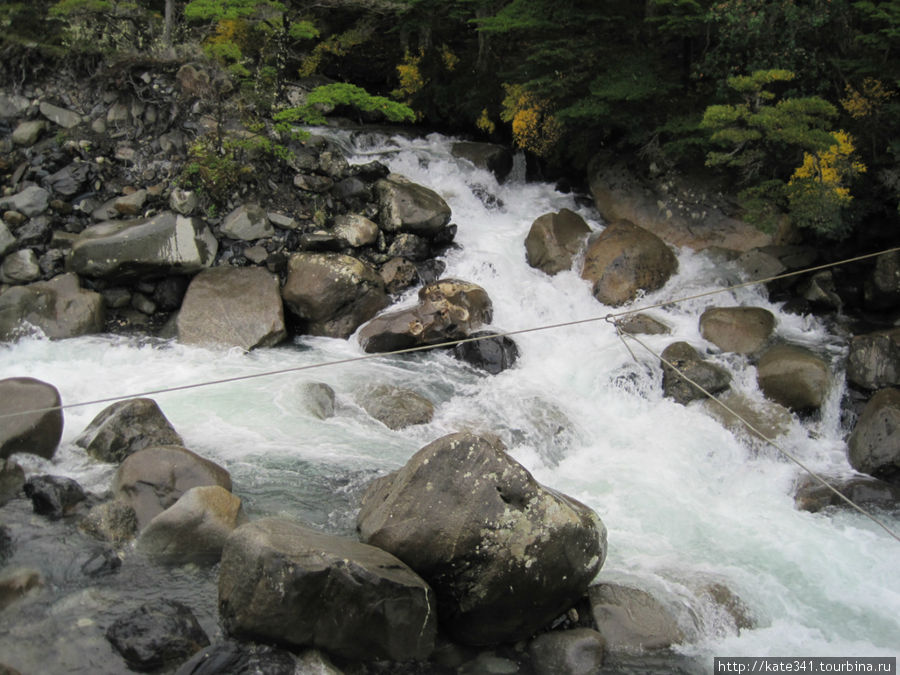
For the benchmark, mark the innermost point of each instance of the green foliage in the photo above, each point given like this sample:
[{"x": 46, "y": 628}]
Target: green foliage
[
  {"x": 227, "y": 10},
  {"x": 105, "y": 26},
  {"x": 339, "y": 94}
]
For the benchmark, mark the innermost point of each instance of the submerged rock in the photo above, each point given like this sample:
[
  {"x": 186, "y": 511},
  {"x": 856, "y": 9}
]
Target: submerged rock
[
  {"x": 578, "y": 651},
  {"x": 631, "y": 619},
  {"x": 35, "y": 432},
  {"x": 504, "y": 554},
  {"x": 125, "y": 427},
  {"x": 282, "y": 582},
  {"x": 235, "y": 658},
  {"x": 395, "y": 407},
  {"x": 491, "y": 352},
  {"x": 54, "y": 496},
  {"x": 687, "y": 360}
]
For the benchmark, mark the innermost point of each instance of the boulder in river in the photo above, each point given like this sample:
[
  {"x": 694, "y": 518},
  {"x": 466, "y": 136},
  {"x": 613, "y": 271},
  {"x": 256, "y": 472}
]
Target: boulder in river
[
  {"x": 396, "y": 407},
  {"x": 687, "y": 360},
  {"x": 59, "y": 308},
  {"x": 742, "y": 330},
  {"x": 554, "y": 239},
  {"x": 125, "y": 427},
  {"x": 874, "y": 445},
  {"x": 285, "y": 583},
  {"x": 38, "y": 429},
  {"x": 632, "y": 619},
  {"x": 793, "y": 376},
  {"x": 625, "y": 260},
  {"x": 504, "y": 554},
  {"x": 874, "y": 359},
  {"x": 409, "y": 207}
]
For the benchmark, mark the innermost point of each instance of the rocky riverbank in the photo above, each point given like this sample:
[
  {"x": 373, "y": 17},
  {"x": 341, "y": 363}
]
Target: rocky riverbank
[{"x": 101, "y": 234}]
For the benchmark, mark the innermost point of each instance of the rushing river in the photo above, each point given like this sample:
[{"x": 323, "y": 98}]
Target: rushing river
[{"x": 687, "y": 503}]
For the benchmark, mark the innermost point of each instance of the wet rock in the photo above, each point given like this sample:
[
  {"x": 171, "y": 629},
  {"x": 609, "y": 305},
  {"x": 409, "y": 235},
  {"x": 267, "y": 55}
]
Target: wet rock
[
  {"x": 248, "y": 223},
  {"x": 36, "y": 432},
  {"x": 59, "y": 308},
  {"x": 313, "y": 183},
  {"x": 356, "y": 230},
  {"x": 448, "y": 309},
  {"x": 193, "y": 529},
  {"x": 494, "y": 158},
  {"x": 60, "y": 116},
  {"x": 30, "y": 202},
  {"x": 15, "y": 585},
  {"x": 742, "y": 330},
  {"x": 20, "y": 267},
  {"x": 159, "y": 634},
  {"x": 688, "y": 361},
  {"x": 881, "y": 289},
  {"x": 318, "y": 398},
  {"x": 408, "y": 207},
  {"x": 183, "y": 201},
  {"x": 7, "y": 240},
  {"x": 638, "y": 324},
  {"x": 351, "y": 191},
  {"x": 631, "y": 619},
  {"x": 503, "y": 554},
  {"x": 821, "y": 292},
  {"x": 160, "y": 245},
  {"x": 334, "y": 294},
  {"x": 236, "y": 658},
  {"x": 13, "y": 105},
  {"x": 398, "y": 275},
  {"x": 132, "y": 204},
  {"x": 12, "y": 479},
  {"x": 125, "y": 427},
  {"x": 874, "y": 445},
  {"x": 35, "y": 233},
  {"x": 28, "y": 132},
  {"x": 758, "y": 264},
  {"x": 232, "y": 307},
  {"x": 554, "y": 239},
  {"x": 873, "y": 361},
  {"x": 285, "y": 583},
  {"x": 812, "y": 496},
  {"x": 409, "y": 246},
  {"x": 491, "y": 353},
  {"x": 625, "y": 260},
  {"x": 152, "y": 479},
  {"x": 768, "y": 417},
  {"x": 54, "y": 496},
  {"x": 578, "y": 651},
  {"x": 395, "y": 407},
  {"x": 113, "y": 521},
  {"x": 794, "y": 377}
]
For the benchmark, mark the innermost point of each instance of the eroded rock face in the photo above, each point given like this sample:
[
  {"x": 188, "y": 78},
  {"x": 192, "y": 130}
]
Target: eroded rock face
[
  {"x": 35, "y": 432},
  {"x": 793, "y": 376},
  {"x": 59, "y": 308},
  {"x": 333, "y": 293},
  {"x": 125, "y": 427},
  {"x": 554, "y": 239},
  {"x": 285, "y": 583},
  {"x": 232, "y": 307},
  {"x": 626, "y": 260},
  {"x": 448, "y": 309},
  {"x": 503, "y": 554},
  {"x": 742, "y": 330},
  {"x": 874, "y": 445},
  {"x": 164, "y": 244}
]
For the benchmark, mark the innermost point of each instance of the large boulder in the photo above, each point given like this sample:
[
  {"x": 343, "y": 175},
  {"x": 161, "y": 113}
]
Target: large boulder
[
  {"x": 881, "y": 289},
  {"x": 167, "y": 243},
  {"x": 282, "y": 582},
  {"x": 489, "y": 156},
  {"x": 333, "y": 293},
  {"x": 742, "y": 330},
  {"x": 409, "y": 207},
  {"x": 193, "y": 529},
  {"x": 626, "y": 260},
  {"x": 554, "y": 239},
  {"x": 631, "y": 619},
  {"x": 687, "y": 361},
  {"x": 232, "y": 307},
  {"x": 153, "y": 479},
  {"x": 448, "y": 309},
  {"x": 766, "y": 417},
  {"x": 813, "y": 496},
  {"x": 578, "y": 651},
  {"x": 504, "y": 554},
  {"x": 491, "y": 352},
  {"x": 395, "y": 407},
  {"x": 36, "y": 432},
  {"x": 873, "y": 361},
  {"x": 125, "y": 427},
  {"x": 29, "y": 202},
  {"x": 59, "y": 308},
  {"x": 874, "y": 445},
  {"x": 793, "y": 376},
  {"x": 247, "y": 222}
]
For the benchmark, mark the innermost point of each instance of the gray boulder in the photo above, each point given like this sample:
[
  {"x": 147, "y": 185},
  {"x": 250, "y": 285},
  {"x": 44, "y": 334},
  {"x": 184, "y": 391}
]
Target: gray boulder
[
  {"x": 232, "y": 307},
  {"x": 54, "y": 496},
  {"x": 160, "y": 245},
  {"x": 28, "y": 132},
  {"x": 333, "y": 293},
  {"x": 60, "y": 116},
  {"x": 554, "y": 239},
  {"x": 742, "y": 330},
  {"x": 395, "y": 407},
  {"x": 193, "y": 529},
  {"x": 873, "y": 361},
  {"x": 356, "y": 230},
  {"x": 579, "y": 651},
  {"x": 59, "y": 308},
  {"x": 768, "y": 417},
  {"x": 504, "y": 554},
  {"x": 638, "y": 324},
  {"x": 285, "y": 583},
  {"x": 13, "y": 105},
  {"x": 113, "y": 521},
  {"x": 125, "y": 427},
  {"x": 489, "y": 156},
  {"x": 36, "y": 432},
  {"x": 31, "y": 201},
  {"x": 70, "y": 180},
  {"x": 408, "y": 207},
  {"x": 881, "y": 289},
  {"x": 247, "y": 222},
  {"x": 688, "y": 361},
  {"x": 625, "y": 260},
  {"x": 812, "y": 496},
  {"x": 794, "y": 377},
  {"x": 631, "y": 619},
  {"x": 874, "y": 445},
  {"x": 152, "y": 479},
  {"x": 318, "y": 398},
  {"x": 20, "y": 267},
  {"x": 448, "y": 309}
]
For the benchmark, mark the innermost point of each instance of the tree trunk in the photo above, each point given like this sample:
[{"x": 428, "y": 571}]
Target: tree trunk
[{"x": 167, "y": 25}]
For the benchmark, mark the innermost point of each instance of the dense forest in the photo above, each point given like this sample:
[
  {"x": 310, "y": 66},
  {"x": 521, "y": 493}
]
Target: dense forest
[{"x": 791, "y": 104}]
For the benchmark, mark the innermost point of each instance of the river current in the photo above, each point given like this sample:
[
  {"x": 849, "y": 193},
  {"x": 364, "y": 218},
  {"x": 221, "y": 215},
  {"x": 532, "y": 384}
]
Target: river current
[{"x": 687, "y": 503}]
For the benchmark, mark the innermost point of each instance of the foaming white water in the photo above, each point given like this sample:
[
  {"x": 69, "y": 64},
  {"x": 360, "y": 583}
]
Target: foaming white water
[{"x": 687, "y": 503}]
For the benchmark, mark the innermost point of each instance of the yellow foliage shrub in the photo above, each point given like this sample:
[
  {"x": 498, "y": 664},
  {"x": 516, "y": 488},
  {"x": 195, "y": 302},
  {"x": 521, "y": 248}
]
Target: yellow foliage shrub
[
  {"x": 534, "y": 127},
  {"x": 867, "y": 100},
  {"x": 830, "y": 168},
  {"x": 485, "y": 123}
]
